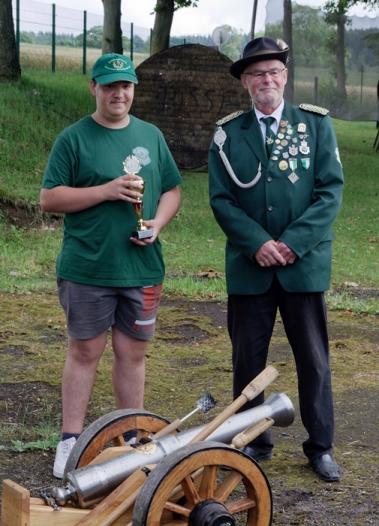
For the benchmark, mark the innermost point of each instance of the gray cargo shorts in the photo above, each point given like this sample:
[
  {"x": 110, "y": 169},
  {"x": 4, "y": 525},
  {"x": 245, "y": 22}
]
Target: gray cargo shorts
[{"x": 92, "y": 310}]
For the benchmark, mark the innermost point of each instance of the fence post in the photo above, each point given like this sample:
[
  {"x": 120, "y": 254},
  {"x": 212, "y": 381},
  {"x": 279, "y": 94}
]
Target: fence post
[
  {"x": 362, "y": 70},
  {"x": 84, "y": 42},
  {"x": 18, "y": 29},
  {"x": 53, "y": 40},
  {"x": 151, "y": 38},
  {"x": 131, "y": 40},
  {"x": 316, "y": 91}
]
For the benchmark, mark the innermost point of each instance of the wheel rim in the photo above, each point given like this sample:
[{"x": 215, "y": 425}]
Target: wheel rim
[
  {"x": 200, "y": 472},
  {"x": 109, "y": 429}
]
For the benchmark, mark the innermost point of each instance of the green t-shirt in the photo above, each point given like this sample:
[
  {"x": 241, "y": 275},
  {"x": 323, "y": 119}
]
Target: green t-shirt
[{"x": 96, "y": 248}]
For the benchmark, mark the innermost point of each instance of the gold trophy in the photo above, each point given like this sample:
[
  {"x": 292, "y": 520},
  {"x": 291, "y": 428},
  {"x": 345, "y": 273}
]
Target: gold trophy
[{"x": 132, "y": 165}]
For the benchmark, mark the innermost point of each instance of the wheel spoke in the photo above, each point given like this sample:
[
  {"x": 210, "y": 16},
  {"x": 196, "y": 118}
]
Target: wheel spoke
[
  {"x": 176, "y": 508},
  {"x": 237, "y": 506},
  {"x": 227, "y": 486},
  {"x": 190, "y": 490},
  {"x": 208, "y": 482},
  {"x": 119, "y": 440}
]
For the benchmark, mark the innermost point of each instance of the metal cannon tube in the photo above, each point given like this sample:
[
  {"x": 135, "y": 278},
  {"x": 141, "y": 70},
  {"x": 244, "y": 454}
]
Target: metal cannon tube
[{"x": 87, "y": 485}]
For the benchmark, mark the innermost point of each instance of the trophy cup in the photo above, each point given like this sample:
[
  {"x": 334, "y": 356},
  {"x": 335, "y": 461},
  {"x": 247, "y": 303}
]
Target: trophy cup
[{"x": 132, "y": 165}]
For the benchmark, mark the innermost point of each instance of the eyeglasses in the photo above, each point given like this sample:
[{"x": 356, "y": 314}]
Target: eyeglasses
[{"x": 273, "y": 73}]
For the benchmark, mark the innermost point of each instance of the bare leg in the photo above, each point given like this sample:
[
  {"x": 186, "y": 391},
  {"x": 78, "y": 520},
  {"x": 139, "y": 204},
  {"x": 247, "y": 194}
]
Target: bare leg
[
  {"x": 78, "y": 377},
  {"x": 128, "y": 370}
]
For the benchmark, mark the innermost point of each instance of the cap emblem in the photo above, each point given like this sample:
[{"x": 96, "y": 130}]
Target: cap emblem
[{"x": 117, "y": 64}]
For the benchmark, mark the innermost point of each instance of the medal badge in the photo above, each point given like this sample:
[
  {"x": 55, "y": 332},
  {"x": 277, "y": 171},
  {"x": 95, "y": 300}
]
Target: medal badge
[
  {"x": 283, "y": 123},
  {"x": 285, "y": 155},
  {"x": 283, "y": 165},
  {"x": 293, "y": 164},
  {"x": 304, "y": 148},
  {"x": 305, "y": 163},
  {"x": 293, "y": 150},
  {"x": 293, "y": 177},
  {"x": 301, "y": 127}
]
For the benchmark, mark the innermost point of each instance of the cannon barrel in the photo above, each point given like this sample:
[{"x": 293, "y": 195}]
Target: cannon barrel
[{"x": 85, "y": 486}]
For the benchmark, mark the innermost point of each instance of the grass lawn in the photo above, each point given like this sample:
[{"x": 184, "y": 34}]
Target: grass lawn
[{"x": 35, "y": 110}]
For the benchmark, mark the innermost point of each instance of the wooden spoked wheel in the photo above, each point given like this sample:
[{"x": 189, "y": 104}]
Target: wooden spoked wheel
[
  {"x": 207, "y": 483},
  {"x": 108, "y": 430}
]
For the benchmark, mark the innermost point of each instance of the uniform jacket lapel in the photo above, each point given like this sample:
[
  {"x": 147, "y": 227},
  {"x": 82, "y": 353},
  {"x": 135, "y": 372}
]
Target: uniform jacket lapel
[{"x": 252, "y": 134}]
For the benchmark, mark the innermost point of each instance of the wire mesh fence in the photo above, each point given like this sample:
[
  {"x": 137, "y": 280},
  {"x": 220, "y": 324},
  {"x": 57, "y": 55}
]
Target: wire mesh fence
[{"x": 56, "y": 38}]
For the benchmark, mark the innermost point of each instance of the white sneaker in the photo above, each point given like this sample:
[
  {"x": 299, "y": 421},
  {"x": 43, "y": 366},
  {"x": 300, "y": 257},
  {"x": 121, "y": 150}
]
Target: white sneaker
[{"x": 61, "y": 456}]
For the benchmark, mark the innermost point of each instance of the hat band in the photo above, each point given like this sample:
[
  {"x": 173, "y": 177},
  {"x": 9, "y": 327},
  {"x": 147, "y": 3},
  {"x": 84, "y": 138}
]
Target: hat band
[{"x": 266, "y": 52}]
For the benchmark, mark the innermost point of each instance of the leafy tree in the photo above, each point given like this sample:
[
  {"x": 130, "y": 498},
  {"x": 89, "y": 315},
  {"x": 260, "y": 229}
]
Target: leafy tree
[
  {"x": 94, "y": 37},
  {"x": 362, "y": 47},
  {"x": 232, "y": 48},
  {"x": 164, "y": 14},
  {"x": 310, "y": 34},
  {"x": 205, "y": 40},
  {"x": 9, "y": 63},
  {"x": 336, "y": 15}
]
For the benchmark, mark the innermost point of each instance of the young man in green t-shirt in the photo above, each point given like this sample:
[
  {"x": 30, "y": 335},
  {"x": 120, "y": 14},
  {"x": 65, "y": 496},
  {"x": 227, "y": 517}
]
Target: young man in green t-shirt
[{"x": 97, "y": 172}]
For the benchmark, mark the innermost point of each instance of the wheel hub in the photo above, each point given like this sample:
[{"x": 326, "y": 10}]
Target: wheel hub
[{"x": 210, "y": 513}]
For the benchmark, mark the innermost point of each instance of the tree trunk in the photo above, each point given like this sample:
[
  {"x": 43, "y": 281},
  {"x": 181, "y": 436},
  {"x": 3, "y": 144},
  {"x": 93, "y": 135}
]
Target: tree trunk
[
  {"x": 253, "y": 19},
  {"x": 9, "y": 63},
  {"x": 340, "y": 57},
  {"x": 112, "y": 34},
  {"x": 287, "y": 35},
  {"x": 162, "y": 25}
]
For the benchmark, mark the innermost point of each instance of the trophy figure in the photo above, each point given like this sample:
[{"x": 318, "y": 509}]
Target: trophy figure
[{"x": 132, "y": 165}]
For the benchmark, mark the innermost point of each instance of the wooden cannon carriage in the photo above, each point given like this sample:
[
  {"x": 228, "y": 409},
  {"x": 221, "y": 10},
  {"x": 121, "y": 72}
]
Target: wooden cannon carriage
[{"x": 197, "y": 477}]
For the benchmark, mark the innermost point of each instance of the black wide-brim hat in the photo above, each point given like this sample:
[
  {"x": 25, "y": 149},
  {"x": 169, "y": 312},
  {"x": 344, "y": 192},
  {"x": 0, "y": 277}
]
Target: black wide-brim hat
[{"x": 262, "y": 48}]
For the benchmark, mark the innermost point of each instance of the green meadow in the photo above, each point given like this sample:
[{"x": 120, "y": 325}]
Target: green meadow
[{"x": 33, "y": 111}]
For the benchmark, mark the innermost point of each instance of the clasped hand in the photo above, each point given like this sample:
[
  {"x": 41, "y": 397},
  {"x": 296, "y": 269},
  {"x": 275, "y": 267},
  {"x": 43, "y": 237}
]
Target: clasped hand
[{"x": 274, "y": 253}]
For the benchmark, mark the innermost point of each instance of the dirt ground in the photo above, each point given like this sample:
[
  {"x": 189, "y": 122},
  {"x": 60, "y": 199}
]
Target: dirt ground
[{"x": 191, "y": 354}]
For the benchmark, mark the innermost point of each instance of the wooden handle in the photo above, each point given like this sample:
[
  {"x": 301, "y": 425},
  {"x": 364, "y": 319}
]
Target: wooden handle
[
  {"x": 260, "y": 382},
  {"x": 243, "y": 438},
  {"x": 253, "y": 389},
  {"x": 167, "y": 429}
]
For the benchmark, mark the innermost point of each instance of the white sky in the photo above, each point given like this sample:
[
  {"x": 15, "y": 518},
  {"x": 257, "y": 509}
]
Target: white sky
[{"x": 190, "y": 21}]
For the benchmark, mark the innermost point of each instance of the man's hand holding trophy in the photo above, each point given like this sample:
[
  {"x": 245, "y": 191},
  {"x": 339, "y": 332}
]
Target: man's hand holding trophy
[{"x": 132, "y": 166}]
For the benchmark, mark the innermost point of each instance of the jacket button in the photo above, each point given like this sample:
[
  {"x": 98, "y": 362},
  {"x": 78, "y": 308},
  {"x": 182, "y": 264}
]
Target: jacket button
[
  {"x": 269, "y": 179},
  {"x": 269, "y": 209}
]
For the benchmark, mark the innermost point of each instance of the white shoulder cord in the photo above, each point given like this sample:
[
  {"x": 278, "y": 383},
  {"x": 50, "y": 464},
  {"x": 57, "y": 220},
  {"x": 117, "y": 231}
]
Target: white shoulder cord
[{"x": 220, "y": 138}]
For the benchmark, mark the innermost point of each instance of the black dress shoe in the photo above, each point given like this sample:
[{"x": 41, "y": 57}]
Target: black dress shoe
[
  {"x": 257, "y": 454},
  {"x": 326, "y": 468}
]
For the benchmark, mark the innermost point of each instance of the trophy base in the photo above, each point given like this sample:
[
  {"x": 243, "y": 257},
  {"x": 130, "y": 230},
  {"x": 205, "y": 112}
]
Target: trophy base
[{"x": 143, "y": 234}]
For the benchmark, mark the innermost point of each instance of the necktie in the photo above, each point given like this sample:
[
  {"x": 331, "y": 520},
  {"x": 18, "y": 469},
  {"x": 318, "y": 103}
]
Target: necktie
[{"x": 270, "y": 136}]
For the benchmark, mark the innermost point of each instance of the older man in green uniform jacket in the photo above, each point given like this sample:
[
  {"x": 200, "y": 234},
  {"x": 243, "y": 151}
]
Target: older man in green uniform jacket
[{"x": 275, "y": 182}]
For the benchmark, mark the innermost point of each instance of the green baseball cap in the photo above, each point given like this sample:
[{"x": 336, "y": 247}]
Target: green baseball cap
[{"x": 113, "y": 67}]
